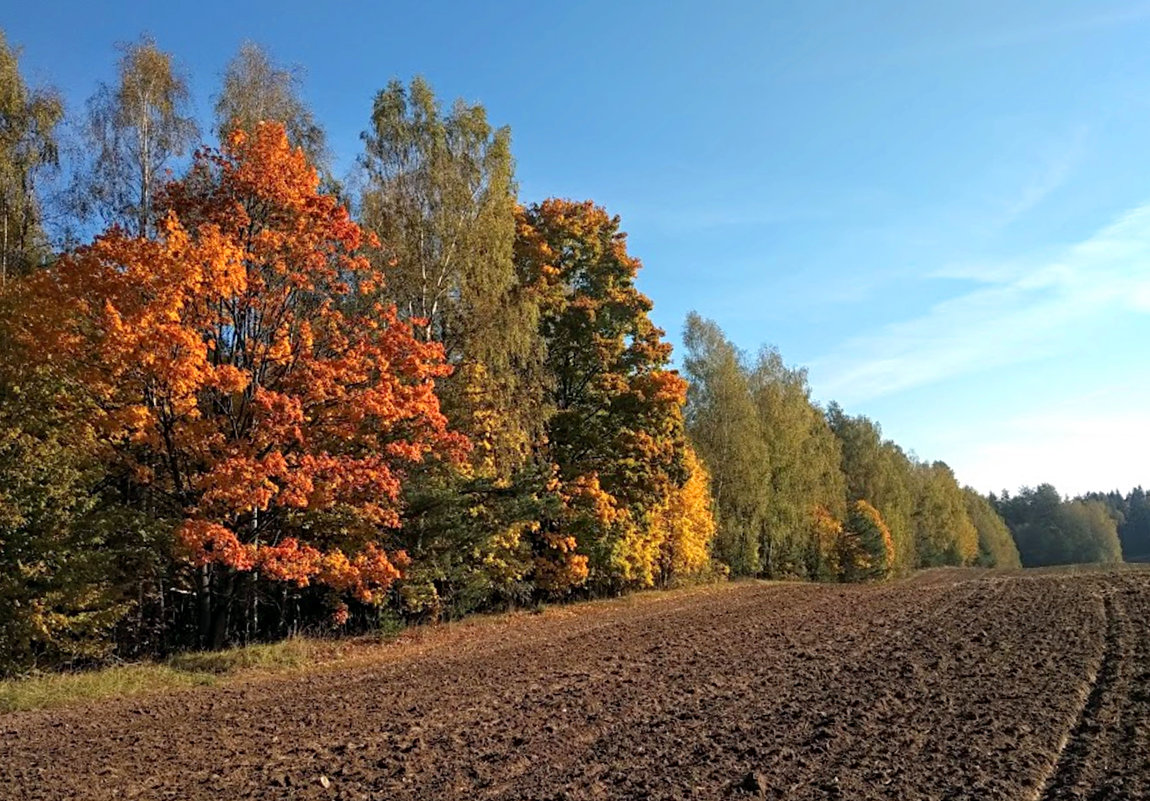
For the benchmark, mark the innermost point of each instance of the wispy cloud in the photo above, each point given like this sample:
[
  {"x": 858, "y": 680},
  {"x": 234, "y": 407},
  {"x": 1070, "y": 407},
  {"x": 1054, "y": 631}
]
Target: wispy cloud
[
  {"x": 1017, "y": 314},
  {"x": 1046, "y": 179}
]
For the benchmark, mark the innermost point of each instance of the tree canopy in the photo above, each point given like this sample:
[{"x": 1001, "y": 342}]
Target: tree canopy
[{"x": 238, "y": 401}]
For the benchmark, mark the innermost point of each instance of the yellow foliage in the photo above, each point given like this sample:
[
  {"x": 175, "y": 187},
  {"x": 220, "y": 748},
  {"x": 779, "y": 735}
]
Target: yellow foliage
[
  {"x": 675, "y": 543},
  {"x": 504, "y": 560},
  {"x": 687, "y": 523},
  {"x": 496, "y": 440},
  {"x": 637, "y": 551},
  {"x": 826, "y": 534}
]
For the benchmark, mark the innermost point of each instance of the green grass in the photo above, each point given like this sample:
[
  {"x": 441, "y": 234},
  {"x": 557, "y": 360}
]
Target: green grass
[
  {"x": 48, "y": 690},
  {"x": 44, "y": 691},
  {"x": 286, "y": 655}
]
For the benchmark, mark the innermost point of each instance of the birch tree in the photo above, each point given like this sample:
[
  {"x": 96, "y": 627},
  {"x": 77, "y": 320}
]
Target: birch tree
[{"x": 134, "y": 133}]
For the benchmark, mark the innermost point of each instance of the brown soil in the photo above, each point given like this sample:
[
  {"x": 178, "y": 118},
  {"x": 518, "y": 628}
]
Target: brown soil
[{"x": 951, "y": 685}]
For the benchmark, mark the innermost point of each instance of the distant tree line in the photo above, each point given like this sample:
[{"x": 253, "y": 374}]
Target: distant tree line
[
  {"x": 785, "y": 472},
  {"x": 241, "y": 399},
  {"x": 1097, "y": 527}
]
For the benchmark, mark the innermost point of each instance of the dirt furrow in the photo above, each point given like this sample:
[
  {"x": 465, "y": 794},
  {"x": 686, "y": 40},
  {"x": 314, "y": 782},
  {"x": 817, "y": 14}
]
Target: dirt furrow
[
  {"x": 949, "y": 685},
  {"x": 1111, "y": 736}
]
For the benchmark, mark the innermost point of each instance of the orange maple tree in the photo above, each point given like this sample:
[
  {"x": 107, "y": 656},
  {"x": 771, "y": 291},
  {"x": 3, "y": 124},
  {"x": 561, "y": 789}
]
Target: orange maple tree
[{"x": 246, "y": 373}]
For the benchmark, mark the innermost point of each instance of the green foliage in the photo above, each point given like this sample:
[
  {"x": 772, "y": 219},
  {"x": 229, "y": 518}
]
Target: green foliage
[
  {"x": 470, "y": 544},
  {"x": 774, "y": 458},
  {"x": 581, "y": 477},
  {"x": 802, "y": 463},
  {"x": 944, "y": 534},
  {"x": 135, "y": 130},
  {"x": 63, "y": 587},
  {"x": 1135, "y": 527},
  {"x": 440, "y": 194},
  {"x": 996, "y": 547},
  {"x": 1132, "y": 514},
  {"x": 877, "y": 470},
  {"x": 1051, "y": 531},
  {"x": 867, "y": 549},
  {"x": 724, "y": 426},
  {"x": 616, "y": 437},
  {"x": 28, "y": 149}
]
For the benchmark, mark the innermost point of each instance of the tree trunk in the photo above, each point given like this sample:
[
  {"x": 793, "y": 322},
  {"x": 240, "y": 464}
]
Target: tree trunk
[
  {"x": 223, "y": 613},
  {"x": 205, "y": 603}
]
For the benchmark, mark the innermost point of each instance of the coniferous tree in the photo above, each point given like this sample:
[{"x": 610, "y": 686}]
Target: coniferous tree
[
  {"x": 1050, "y": 530},
  {"x": 867, "y": 549},
  {"x": 1134, "y": 530}
]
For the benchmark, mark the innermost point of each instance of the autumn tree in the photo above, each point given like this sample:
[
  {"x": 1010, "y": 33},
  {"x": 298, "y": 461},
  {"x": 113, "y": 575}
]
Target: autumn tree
[
  {"x": 1094, "y": 532},
  {"x": 803, "y": 463},
  {"x": 725, "y": 429},
  {"x": 255, "y": 89},
  {"x": 63, "y": 581},
  {"x": 775, "y": 460},
  {"x": 878, "y": 471},
  {"x": 944, "y": 534},
  {"x": 867, "y": 548},
  {"x": 616, "y": 436},
  {"x": 135, "y": 131},
  {"x": 439, "y": 190},
  {"x": 28, "y": 149},
  {"x": 996, "y": 547},
  {"x": 685, "y": 525},
  {"x": 242, "y": 387},
  {"x": 826, "y": 552}
]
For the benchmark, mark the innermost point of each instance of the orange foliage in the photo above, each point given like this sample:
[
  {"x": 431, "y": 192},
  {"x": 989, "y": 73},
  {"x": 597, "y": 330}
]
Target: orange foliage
[
  {"x": 245, "y": 372},
  {"x": 826, "y": 535}
]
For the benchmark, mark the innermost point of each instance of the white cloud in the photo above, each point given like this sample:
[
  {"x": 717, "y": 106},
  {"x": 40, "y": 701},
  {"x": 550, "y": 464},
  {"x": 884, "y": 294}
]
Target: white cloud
[
  {"x": 1097, "y": 442},
  {"x": 1017, "y": 314}
]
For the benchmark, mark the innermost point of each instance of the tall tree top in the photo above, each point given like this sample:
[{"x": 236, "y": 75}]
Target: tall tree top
[{"x": 255, "y": 89}]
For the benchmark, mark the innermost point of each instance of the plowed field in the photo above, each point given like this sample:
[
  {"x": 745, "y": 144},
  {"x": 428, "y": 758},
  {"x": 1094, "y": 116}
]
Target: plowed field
[{"x": 949, "y": 685}]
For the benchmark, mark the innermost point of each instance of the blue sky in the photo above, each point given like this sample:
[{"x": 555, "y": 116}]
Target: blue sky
[{"x": 943, "y": 208}]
